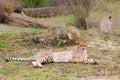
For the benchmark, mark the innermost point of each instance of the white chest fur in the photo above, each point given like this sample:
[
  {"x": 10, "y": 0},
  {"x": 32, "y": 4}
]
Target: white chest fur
[{"x": 65, "y": 56}]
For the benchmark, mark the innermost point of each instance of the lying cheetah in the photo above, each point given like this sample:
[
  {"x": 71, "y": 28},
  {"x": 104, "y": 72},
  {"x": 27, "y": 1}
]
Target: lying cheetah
[{"x": 79, "y": 54}]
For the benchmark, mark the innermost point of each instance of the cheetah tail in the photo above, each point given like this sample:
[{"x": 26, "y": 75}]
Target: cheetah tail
[{"x": 19, "y": 59}]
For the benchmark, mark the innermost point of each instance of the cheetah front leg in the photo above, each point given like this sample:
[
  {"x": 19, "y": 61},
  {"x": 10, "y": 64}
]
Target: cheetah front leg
[
  {"x": 37, "y": 64},
  {"x": 90, "y": 61}
]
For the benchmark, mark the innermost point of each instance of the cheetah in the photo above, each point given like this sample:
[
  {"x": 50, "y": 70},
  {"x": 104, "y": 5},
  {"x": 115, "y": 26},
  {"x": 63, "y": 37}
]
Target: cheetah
[
  {"x": 106, "y": 24},
  {"x": 77, "y": 55}
]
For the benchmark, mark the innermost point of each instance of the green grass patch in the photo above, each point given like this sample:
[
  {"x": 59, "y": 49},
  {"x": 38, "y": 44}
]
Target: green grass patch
[
  {"x": 61, "y": 20},
  {"x": 38, "y": 74},
  {"x": 2, "y": 71},
  {"x": 2, "y": 44},
  {"x": 37, "y": 3},
  {"x": 8, "y": 32},
  {"x": 62, "y": 78}
]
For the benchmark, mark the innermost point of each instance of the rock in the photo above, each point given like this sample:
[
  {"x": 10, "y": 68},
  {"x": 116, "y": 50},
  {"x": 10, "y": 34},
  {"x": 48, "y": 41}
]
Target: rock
[{"x": 67, "y": 35}]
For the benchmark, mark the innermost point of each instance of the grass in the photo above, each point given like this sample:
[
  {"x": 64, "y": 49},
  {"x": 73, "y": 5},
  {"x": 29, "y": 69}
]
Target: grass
[
  {"x": 17, "y": 44},
  {"x": 3, "y": 71},
  {"x": 59, "y": 20},
  {"x": 9, "y": 29},
  {"x": 108, "y": 61},
  {"x": 2, "y": 45}
]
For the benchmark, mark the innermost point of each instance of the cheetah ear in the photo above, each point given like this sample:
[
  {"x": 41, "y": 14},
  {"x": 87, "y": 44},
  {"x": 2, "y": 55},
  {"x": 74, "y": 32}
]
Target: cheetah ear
[
  {"x": 110, "y": 17},
  {"x": 78, "y": 42}
]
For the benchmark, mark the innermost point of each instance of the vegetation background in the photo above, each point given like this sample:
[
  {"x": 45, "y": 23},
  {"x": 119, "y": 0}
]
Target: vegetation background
[
  {"x": 16, "y": 41},
  {"x": 36, "y": 3}
]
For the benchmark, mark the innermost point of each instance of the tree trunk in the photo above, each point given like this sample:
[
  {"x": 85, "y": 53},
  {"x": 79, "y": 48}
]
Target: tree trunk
[
  {"x": 81, "y": 23},
  {"x": 2, "y": 18}
]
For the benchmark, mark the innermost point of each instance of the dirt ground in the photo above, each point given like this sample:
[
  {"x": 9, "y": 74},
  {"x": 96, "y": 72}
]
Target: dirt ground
[{"x": 101, "y": 78}]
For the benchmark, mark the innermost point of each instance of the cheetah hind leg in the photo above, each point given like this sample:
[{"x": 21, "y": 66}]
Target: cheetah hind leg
[{"x": 37, "y": 64}]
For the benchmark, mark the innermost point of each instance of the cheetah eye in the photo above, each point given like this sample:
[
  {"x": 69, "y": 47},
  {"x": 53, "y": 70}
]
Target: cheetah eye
[{"x": 81, "y": 45}]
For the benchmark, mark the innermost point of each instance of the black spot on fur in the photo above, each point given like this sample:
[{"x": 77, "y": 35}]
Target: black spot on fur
[{"x": 95, "y": 63}]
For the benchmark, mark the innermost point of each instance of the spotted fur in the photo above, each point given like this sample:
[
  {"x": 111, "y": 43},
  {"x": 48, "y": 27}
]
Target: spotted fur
[
  {"x": 106, "y": 24},
  {"x": 79, "y": 54}
]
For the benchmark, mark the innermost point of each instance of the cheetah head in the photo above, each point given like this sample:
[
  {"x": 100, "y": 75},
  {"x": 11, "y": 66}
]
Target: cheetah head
[{"x": 81, "y": 46}]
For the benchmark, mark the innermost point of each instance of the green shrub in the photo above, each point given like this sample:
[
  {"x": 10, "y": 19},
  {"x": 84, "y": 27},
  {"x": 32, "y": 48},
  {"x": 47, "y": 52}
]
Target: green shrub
[{"x": 35, "y": 3}]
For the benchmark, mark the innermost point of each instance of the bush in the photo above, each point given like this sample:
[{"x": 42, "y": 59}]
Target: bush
[
  {"x": 80, "y": 9},
  {"x": 35, "y": 3}
]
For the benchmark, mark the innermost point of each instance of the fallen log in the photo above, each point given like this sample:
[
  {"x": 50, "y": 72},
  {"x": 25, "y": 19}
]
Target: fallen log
[
  {"x": 45, "y": 11},
  {"x": 24, "y": 21}
]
